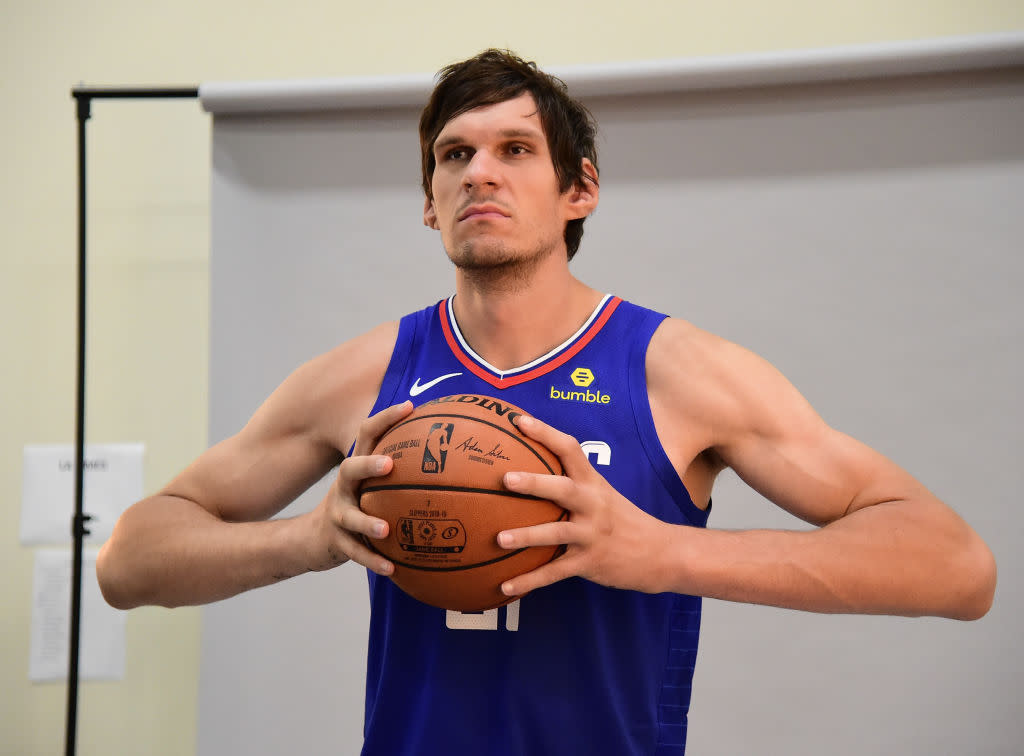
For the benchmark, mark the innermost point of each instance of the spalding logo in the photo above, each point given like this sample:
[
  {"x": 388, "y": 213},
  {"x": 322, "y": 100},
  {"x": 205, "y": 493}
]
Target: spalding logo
[{"x": 501, "y": 410}]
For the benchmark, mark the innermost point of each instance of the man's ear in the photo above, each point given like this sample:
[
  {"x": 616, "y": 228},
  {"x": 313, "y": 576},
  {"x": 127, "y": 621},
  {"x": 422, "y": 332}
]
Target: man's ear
[
  {"x": 584, "y": 195},
  {"x": 429, "y": 214}
]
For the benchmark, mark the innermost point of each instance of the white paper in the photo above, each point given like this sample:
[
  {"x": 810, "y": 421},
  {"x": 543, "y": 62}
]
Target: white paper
[
  {"x": 113, "y": 482},
  {"x": 101, "y": 635}
]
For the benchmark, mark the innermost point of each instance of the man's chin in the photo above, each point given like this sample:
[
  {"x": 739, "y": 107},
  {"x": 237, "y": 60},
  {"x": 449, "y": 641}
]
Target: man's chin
[
  {"x": 478, "y": 256},
  {"x": 498, "y": 268}
]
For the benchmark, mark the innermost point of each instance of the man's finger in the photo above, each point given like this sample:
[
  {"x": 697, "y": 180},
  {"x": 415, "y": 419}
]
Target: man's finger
[
  {"x": 360, "y": 552},
  {"x": 356, "y": 468},
  {"x": 555, "y": 570},
  {"x": 355, "y": 520},
  {"x": 556, "y": 488},
  {"x": 545, "y": 534},
  {"x": 565, "y": 447},
  {"x": 374, "y": 427}
]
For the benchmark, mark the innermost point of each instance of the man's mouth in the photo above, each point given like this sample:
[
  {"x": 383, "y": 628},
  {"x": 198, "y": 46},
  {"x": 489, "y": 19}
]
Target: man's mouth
[{"x": 482, "y": 211}]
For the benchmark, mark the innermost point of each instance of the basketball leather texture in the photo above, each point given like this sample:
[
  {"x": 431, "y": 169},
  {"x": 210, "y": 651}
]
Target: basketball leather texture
[{"x": 445, "y": 503}]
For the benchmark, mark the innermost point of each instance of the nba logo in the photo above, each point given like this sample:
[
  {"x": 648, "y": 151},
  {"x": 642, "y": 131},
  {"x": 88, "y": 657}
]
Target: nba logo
[{"x": 435, "y": 450}]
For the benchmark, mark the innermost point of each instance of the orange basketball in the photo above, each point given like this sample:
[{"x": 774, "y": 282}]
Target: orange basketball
[{"x": 445, "y": 504}]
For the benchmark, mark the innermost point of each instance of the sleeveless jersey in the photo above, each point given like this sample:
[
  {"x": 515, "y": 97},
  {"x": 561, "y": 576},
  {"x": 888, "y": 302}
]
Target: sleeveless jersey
[{"x": 571, "y": 668}]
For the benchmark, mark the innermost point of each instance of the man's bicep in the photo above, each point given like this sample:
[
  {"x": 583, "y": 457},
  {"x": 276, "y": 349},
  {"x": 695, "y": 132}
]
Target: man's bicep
[
  {"x": 295, "y": 437},
  {"x": 782, "y": 448},
  {"x": 816, "y": 473},
  {"x": 240, "y": 481}
]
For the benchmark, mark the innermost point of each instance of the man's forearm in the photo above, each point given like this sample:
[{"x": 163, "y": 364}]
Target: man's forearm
[
  {"x": 170, "y": 552},
  {"x": 903, "y": 558}
]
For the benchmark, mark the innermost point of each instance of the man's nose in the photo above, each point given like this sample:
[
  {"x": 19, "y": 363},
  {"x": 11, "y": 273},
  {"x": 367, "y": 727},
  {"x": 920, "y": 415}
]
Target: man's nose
[{"x": 483, "y": 169}]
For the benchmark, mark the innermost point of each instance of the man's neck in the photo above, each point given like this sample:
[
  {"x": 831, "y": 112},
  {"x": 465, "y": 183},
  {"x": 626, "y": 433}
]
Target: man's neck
[{"x": 512, "y": 327}]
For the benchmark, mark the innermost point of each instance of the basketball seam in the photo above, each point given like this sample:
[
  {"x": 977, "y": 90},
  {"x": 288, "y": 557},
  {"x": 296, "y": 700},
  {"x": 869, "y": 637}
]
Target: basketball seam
[
  {"x": 458, "y": 489},
  {"x": 460, "y": 567}
]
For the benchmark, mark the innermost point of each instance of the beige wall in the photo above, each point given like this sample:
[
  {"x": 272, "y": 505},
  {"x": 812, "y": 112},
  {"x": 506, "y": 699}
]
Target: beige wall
[{"x": 149, "y": 227}]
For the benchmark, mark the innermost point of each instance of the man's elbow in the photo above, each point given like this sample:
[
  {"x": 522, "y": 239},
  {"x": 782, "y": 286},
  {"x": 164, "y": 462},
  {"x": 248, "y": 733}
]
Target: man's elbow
[
  {"x": 978, "y": 573},
  {"x": 111, "y": 586}
]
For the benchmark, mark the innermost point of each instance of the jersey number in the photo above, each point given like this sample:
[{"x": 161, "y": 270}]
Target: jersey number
[
  {"x": 483, "y": 620},
  {"x": 489, "y": 620}
]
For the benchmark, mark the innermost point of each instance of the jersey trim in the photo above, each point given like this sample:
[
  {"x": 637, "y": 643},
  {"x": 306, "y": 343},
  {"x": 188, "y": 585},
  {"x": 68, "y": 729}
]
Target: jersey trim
[
  {"x": 648, "y": 433},
  {"x": 398, "y": 364},
  {"x": 552, "y": 360}
]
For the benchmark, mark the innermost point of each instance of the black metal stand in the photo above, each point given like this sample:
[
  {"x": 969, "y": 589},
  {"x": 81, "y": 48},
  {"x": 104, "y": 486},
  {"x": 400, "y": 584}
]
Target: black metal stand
[{"x": 83, "y": 99}]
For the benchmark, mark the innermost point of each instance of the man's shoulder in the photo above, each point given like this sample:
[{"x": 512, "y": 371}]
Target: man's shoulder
[
  {"x": 700, "y": 373},
  {"x": 697, "y": 377},
  {"x": 679, "y": 343},
  {"x": 368, "y": 347},
  {"x": 338, "y": 388},
  {"x": 358, "y": 365}
]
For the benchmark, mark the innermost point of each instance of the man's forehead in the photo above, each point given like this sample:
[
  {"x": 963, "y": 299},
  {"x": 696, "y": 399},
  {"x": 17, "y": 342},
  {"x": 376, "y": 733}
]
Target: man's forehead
[{"x": 515, "y": 117}]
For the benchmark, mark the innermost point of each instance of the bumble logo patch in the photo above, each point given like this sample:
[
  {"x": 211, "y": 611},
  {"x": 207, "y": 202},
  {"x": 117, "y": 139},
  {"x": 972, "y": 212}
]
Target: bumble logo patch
[{"x": 582, "y": 376}]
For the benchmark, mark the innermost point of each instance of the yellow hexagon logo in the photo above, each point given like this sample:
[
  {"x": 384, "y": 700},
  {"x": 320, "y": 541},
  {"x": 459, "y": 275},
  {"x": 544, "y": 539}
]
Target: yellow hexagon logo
[{"x": 582, "y": 376}]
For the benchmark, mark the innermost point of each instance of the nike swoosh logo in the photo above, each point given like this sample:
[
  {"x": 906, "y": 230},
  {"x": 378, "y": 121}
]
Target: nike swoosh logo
[{"x": 416, "y": 389}]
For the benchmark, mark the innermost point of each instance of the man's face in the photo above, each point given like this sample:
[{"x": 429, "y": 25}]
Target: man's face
[{"x": 496, "y": 199}]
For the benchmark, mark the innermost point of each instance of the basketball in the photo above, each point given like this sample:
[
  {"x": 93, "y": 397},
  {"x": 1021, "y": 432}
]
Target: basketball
[{"x": 445, "y": 504}]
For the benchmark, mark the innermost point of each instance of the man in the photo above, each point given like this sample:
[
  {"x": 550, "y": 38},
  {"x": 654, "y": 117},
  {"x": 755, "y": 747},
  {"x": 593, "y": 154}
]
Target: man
[{"x": 598, "y": 657}]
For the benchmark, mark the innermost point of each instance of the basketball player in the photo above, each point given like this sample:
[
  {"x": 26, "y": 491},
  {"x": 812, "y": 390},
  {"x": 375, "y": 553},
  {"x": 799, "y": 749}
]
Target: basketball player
[{"x": 598, "y": 658}]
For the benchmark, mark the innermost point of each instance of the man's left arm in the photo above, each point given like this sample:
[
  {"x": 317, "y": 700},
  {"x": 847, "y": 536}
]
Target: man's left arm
[{"x": 885, "y": 545}]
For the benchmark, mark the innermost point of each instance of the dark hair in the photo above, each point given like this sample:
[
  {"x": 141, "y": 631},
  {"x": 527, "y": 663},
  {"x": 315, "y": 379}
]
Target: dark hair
[{"x": 495, "y": 76}]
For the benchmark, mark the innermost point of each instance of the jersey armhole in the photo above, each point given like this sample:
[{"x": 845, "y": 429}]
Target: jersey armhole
[
  {"x": 644, "y": 419},
  {"x": 398, "y": 364}
]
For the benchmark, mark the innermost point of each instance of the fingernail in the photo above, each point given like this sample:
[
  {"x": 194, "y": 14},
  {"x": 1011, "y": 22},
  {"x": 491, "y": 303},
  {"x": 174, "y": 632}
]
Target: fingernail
[
  {"x": 378, "y": 529},
  {"x": 385, "y": 568},
  {"x": 512, "y": 479},
  {"x": 504, "y": 539},
  {"x": 380, "y": 464},
  {"x": 524, "y": 421},
  {"x": 506, "y": 588}
]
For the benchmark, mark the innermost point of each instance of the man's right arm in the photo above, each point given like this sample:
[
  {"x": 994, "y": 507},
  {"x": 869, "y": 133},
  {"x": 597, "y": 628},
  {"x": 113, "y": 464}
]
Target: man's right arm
[{"x": 206, "y": 535}]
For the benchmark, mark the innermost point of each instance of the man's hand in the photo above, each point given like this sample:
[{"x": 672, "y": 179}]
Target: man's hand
[
  {"x": 339, "y": 526},
  {"x": 607, "y": 537}
]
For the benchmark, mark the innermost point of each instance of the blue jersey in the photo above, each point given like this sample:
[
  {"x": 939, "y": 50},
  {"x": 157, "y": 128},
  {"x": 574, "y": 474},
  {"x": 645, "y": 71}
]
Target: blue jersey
[{"x": 572, "y": 668}]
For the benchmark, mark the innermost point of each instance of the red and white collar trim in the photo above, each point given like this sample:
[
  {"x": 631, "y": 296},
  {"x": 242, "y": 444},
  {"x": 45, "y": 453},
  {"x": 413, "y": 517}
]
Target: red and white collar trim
[{"x": 550, "y": 361}]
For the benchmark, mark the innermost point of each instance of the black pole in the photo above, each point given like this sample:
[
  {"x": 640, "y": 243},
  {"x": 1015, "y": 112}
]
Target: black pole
[
  {"x": 78, "y": 530},
  {"x": 83, "y": 99}
]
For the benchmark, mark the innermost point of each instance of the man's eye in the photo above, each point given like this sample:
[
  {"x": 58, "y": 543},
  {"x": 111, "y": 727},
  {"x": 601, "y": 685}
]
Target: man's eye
[
  {"x": 456, "y": 154},
  {"x": 518, "y": 149}
]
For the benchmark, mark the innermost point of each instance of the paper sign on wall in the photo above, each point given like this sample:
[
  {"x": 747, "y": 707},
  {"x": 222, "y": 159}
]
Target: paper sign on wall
[
  {"x": 101, "y": 641},
  {"x": 112, "y": 483}
]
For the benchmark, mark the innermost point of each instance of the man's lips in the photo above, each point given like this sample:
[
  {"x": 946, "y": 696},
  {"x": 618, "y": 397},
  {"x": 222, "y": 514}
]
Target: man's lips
[{"x": 482, "y": 211}]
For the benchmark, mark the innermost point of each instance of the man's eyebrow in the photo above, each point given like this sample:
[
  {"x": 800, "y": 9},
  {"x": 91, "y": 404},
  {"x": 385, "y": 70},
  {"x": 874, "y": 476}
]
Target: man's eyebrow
[{"x": 453, "y": 139}]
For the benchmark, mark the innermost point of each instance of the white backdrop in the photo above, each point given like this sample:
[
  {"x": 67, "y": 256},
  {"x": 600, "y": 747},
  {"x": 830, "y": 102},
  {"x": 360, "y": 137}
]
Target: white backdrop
[{"x": 864, "y": 236}]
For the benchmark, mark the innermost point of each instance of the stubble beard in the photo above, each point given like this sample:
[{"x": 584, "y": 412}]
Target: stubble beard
[{"x": 497, "y": 267}]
